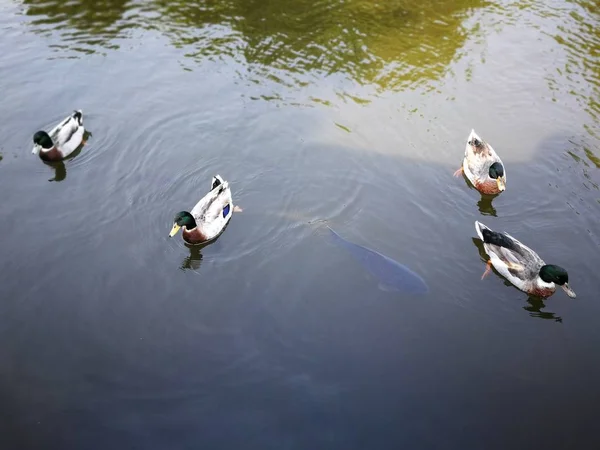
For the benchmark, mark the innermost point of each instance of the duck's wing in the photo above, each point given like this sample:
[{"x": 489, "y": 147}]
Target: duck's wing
[
  {"x": 213, "y": 211},
  {"x": 519, "y": 260},
  {"x": 212, "y": 204},
  {"x": 479, "y": 155},
  {"x": 527, "y": 258},
  {"x": 68, "y": 134}
]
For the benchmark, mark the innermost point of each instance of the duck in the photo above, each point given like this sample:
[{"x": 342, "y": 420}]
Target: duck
[
  {"x": 520, "y": 265},
  {"x": 207, "y": 220},
  {"x": 482, "y": 166},
  {"x": 63, "y": 139}
]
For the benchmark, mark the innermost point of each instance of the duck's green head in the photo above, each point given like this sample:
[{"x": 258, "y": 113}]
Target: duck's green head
[
  {"x": 557, "y": 275},
  {"x": 182, "y": 219},
  {"x": 497, "y": 172},
  {"x": 42, "y": 140}
]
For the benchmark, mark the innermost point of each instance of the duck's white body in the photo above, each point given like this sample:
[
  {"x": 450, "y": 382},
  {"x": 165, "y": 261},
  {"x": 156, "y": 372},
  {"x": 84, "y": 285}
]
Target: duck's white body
[
  {"x": 516, "y": 262},
  {"x": 213, "y": 212},
  {"x": 477, "y": 162},
  {"x": 67, "y": 136}
]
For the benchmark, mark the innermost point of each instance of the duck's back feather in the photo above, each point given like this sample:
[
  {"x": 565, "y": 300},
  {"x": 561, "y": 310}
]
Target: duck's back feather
[
  {"x": 68, "y": 134},
  {"x": 214, "y": 210},
  {"x": 478, "y": 159},
  {"x": 510, "y": 257}
]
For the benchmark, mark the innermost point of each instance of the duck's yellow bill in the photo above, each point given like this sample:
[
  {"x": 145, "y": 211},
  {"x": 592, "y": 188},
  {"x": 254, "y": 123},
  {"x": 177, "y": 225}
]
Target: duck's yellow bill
[
  {"x": 500, "y": 183},
  {"x": 174, "y": 230}
]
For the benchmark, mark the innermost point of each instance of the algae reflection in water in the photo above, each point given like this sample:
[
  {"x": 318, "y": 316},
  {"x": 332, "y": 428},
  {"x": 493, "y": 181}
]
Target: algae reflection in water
[{"x": 390, "y": 45}]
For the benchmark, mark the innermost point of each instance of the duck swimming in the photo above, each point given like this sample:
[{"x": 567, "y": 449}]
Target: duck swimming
[
  {"x": 520, "y": 265},
  {"x": 62, "y": 140},
  {"x": 482, "y": 166},
  {"x": 208, "y": 218}
]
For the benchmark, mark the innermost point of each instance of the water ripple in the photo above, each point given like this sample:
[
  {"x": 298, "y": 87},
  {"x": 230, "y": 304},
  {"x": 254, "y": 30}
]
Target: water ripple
[{"x": 389, "y": 46}]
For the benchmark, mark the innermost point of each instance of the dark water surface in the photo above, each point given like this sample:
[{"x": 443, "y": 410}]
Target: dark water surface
[{"x": 114, "y": 336}]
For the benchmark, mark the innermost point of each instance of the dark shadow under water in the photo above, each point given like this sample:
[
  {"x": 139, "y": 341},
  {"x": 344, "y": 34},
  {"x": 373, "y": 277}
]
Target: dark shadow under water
[{"x": 392, "y": 275}]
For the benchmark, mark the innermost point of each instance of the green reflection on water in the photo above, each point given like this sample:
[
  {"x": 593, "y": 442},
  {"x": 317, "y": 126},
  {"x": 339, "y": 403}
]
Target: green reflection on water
[
  {"x": 390, "y": 45},
  {"x": 579, "y": 35},
  {"x": 387, "y": 46},
  {"x": 86, "y": 26}
]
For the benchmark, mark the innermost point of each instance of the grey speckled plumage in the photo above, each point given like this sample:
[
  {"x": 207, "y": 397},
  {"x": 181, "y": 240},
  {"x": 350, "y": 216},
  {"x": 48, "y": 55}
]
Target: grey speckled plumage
[
  {"x": 479, "y": 157},
  {"x": 521, "y": 265}
]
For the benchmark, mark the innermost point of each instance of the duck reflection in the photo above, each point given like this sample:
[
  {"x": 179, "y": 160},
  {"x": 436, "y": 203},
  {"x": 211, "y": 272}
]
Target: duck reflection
[
  {"x": 194, "y": 259},
  {"x": 485, "y": 205},
  {"x": 536, "y": 304},
  {"x": 485, "y": 202},
  {"x": 60, "y": 170}
]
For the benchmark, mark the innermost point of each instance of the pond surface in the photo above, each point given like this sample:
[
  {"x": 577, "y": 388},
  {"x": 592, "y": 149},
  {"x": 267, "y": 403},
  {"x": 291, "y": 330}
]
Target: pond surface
[{"x": 352, "y": 114}]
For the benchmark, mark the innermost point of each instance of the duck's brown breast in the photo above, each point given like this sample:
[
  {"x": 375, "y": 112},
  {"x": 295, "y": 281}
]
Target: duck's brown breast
[
  {"x": 488, "y": 186},
  {"x": 52, "y": 155},
  {"x": 194, "y": 236},
  {"x": 542, "y": 292}
]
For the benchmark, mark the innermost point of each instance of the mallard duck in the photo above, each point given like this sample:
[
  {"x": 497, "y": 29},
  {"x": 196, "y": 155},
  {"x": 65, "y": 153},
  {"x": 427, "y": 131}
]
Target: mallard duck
[
  {"x": 520, "y": 265},
  {"x": 208, "y": 218},
  {"x": 482, "y": 166},
  {"x": 63, "y": 139}
]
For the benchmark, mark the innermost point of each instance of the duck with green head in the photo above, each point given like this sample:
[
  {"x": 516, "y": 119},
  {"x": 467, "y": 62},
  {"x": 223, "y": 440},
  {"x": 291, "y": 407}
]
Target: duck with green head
[
  {"x": 207, "y": 220},
  {"x": 520, "y": 265},
  {"x": 482, "y": 166},
  {"x": 62, "y": 140}
]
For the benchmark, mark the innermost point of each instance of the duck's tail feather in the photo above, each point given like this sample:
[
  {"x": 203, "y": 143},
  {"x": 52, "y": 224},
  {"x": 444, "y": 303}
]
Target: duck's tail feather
[
  {"x": 473, "y": 135},
  {"x": 217, "y": 180},
  {"x": 492, "y": 237},
  {"x": 78, "y": 115},
  {"x": 481, "y": 230}
]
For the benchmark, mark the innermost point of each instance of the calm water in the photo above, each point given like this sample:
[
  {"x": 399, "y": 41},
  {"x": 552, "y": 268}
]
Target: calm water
[{"x": 350, "y": 112}]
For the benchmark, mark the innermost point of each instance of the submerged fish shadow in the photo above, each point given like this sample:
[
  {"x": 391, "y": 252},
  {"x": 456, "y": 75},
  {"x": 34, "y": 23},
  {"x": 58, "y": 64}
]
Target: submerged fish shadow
[{"x": 392, "y": 275}]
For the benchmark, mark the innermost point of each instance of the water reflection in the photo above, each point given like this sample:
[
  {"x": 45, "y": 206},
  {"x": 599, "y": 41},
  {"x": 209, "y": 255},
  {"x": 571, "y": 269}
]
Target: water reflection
[
  {"x": 482, "y": 254},
  {"x": 193, "y": 260},
  {"x": 60, "y": 170},
  {"x": 85, "y": 26},
  {"x": 60, "y": 167},
  {"x": 485, "y": 205},
  {"x": 579, "y": 35},
  {"x": 388, "y": 45},
  {"x": 536, "y": 304}
]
